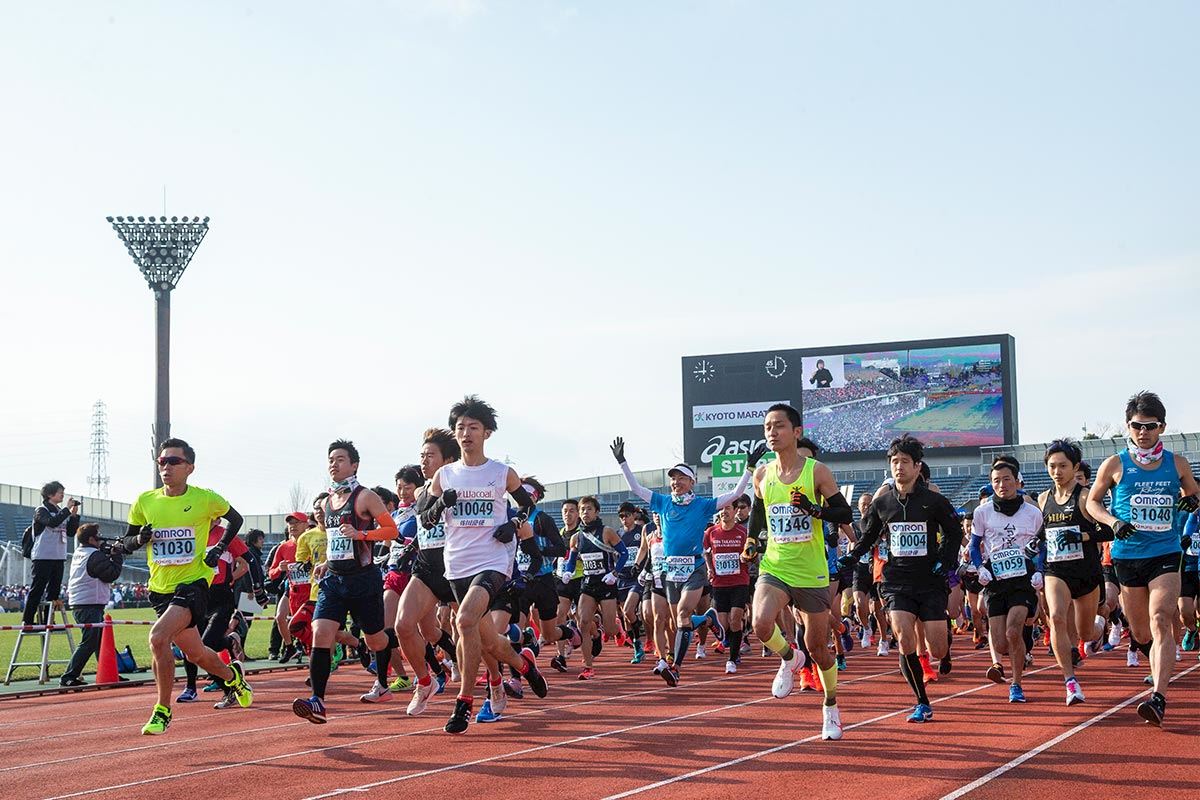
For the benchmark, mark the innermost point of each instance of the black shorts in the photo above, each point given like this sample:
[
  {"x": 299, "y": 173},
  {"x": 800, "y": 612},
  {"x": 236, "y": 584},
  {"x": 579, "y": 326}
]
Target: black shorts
[
  {"x": 726, "y": 598},
  {"x": 1138, "y": 572},
  {"x": 597, "y": 589},
  {"x": 970, "y": 583},
  {"x": 1001, "y": 596},
  {"x": 359, "y": 594},
  {"x": 491, "y": 580},
  {"x": 927, "y": 603},
  {"x": 1110, "y": 574},
  {"x": 434, "y": 580},
  {"x": 1079, "y": 586},
  {"x": 845, "y": 579},
  {"x": 192, "y": 596},
  {"x": 539, "y": 593},
  {"x": 1189, "y": 584},
  {"x": 508, "y": 600},
  {"x": 570, "y": 589},
  {"x": 623, "y": 592},
  {"x": 863, "y": 579}
]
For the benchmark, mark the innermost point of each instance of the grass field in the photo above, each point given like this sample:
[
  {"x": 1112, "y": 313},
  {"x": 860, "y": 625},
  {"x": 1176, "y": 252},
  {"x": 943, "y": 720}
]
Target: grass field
[
  {"x": 133, "y": 635},
  {"x": 979, "y": 413}
]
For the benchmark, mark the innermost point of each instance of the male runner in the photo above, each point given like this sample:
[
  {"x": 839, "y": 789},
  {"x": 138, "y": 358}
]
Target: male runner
[
  {"x": 629, "y": 588},
  {"x": 603, "y": 554},
  {"x": 175, "y": 520},
  {"x": 298, "y": 575},
  {"x": 480, "y": 548},
  {"x": 1150, "y": 486},
  {"x": 795, "y": 497},
  {"x": 568, "y": 587},
  {"x": 728, "y": 564},
  {"x": 684, "y": 520},
  {"x": 914, "y": 587},
  {"x": 348, "y": 581}
]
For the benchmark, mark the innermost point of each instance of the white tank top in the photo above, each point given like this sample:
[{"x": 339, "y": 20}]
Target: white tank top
[{"x": 480, "y": 509}]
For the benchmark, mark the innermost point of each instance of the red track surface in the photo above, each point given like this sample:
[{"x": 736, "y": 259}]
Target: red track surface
[{"x": 626, "y": 734}]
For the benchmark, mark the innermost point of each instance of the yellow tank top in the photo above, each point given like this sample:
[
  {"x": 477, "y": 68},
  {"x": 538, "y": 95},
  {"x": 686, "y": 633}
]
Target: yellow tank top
[{"x": 795, "y": 541}]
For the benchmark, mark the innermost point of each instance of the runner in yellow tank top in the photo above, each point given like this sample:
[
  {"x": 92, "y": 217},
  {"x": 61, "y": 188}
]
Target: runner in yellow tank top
[{"x": 794, "y": 497}]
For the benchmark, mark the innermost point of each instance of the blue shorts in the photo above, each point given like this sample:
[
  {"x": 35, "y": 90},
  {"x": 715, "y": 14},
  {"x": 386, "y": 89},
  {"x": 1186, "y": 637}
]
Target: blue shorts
[{"x": 359, "y": 594}]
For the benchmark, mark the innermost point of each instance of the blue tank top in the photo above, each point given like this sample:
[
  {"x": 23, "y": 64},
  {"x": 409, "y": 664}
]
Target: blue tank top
[{"x": 1146, "y": 499}]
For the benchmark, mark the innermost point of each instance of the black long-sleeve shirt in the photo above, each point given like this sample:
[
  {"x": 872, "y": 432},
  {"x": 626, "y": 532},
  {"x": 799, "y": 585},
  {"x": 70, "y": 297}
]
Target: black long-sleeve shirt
[{"x": 912, "y": 525}]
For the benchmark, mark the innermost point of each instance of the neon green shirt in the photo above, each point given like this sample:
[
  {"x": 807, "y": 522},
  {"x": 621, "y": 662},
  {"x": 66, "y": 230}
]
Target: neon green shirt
[
  {"x": 181, "y": 525},
  {"x": 795, "y": 541}
]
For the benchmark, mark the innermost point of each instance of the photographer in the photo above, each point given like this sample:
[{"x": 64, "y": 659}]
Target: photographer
[
  {"x": 51, "y": 527},
  {"x": 95, "y": 565}
]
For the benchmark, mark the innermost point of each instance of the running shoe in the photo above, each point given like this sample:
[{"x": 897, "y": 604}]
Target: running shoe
[
  {"x": 660, "y": 666},
  {"x": 995, "y": 673},
  {"x": 188, "y": 695},
  {"x": 831, "y": 723},
  {"x": 72, "y": 683},
  {"x": 533, "y": 676},
  {"x": 1148, "y": 680},
  {"x": 714, "y": 621},
  {"x": 1178, "y": 653},
  {"x": 701, "y": 653},
  {"x": 1076, "y": 656},
  {"x": 785, "y": 677},
  {"x": 454, "y": 676},
  {"x": 440, "y": 678},
  {"x": 730, "y": 667},
  {"x": 364, "y": 653},
  {"x": 1074, "y": 692},
  {"x": 160, "y": 720},
  {"x": 1028, "y": 659},
  {"x": 981, "y": 643},
  {"x": 237, "y": 684},
  {"x": 930, "y": 674},
  {"x": 670, "y": 675},
  {"x": 486, "y": 714},
  {"x": 288, "y": 653},
  {"x": 378, "y": 694},
  {"x": 1132, "y": 659},
  {"x": 311, "y": 709},
  {"x": 1085, "y": 650},
  {"x": 883, "y": 648},
  {"x": 1016, "y": 694},
  {"x": 765, "y": 651},
  {"x": 719, "y": 647},
  {"x": 336, "y": 654},
  {"x": 945, "y": 665},
  {"x": 576, "y": 640},
  {"x": 865, "y": 641},
  {"x": 559, "y": 663},
  {"x": 226, "y": 701},
  {"x": 460, "y": 719},
  {"x": 402, "y": 683},
  {"x": 1153, "y": 709},
  {"x": 498, "y": 698},
  {"x": 512, "y": 688},
  {"x": 639, "y": 652},
  {"x": 420, "y": 699},
  {"x": 745, "y": 646},
  {"x": 808, "y": 682},
  {"x": 847, "y": 638},
  {"x": 586, "y": 674},
  {"x": 213, "y": 686},
  {"x": 841, "y": 662},
  {"x": 1189, "y": 641},
  {"x": 597, "y": 646},
  {"x": 921, "y": 713},
  {"x": 1114, "y": 635},
  {"x": 530, "y": 639}
]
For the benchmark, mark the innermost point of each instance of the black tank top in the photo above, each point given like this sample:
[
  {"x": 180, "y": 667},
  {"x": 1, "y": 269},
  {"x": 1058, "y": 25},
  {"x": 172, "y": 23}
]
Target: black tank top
[
  {"x": 597, "y": 562},
  {"x": 1069, "y": 561},
  {"x": 362, "y": 550}
]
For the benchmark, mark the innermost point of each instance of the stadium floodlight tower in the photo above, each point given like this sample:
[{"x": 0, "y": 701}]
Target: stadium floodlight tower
[{"x": 162, "y": 250}]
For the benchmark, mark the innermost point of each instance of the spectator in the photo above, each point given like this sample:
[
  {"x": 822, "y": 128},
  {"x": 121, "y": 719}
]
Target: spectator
[
  {"x": 51, "y": 527},
  {"x": 93, "y": 572}
]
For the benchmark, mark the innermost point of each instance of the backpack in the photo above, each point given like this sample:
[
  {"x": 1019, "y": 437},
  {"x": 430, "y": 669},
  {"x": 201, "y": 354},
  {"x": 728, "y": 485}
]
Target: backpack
[{"x": 27, "y": 543}]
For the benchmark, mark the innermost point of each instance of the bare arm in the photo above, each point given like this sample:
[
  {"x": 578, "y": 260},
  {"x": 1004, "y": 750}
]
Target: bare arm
[{"x": 1106, "y": 478}]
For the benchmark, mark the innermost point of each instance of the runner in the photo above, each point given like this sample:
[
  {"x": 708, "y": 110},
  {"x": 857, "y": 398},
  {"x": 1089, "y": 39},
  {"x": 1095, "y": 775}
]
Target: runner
[
  {"x": 603, "y": 554},
  {"x": 684, "y": 519},
  {"x": 1073, "y": 575},
  {"x": 348, "y": 580},
  {"x": 651, "y": 567},
  {"x": 728, "y": 564},
  {"x": 480, "y": 547},
  {"x": 297, "y": 574},
  {"x": 795, "y": 497},
  {"x": 568, "y": 587},
  {"x": 540, "y": 594},
  {"x": 1148, "y": 485},
  {"x": 175, "y": 520},
  {"x": 912, "y": 516},
  {"x": 629, "y": 588},
  {"x": 1002, "y": 529}
]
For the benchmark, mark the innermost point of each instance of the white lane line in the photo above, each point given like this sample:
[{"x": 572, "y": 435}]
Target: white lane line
[{"x": 1021, "y": 759}]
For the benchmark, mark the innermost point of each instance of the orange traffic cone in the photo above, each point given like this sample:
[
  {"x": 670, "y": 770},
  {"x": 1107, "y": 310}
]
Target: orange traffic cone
[{"x": 106, "y": 666}]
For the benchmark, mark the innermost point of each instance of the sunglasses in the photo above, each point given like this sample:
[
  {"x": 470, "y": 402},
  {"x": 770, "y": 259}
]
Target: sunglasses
[
  {"x": 1145, "y": 426},
  {"x": 171, "y": 461}
]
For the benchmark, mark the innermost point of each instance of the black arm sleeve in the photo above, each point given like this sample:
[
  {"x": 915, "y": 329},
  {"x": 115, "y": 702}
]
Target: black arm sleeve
[
  {"x": 837, "y": 510},
  {"x": 524, "y": 501},
  {"x": 131, "y": 541},
  {"x": 432, "y": 514},
  {"x": 872, "y": 527},
  {"x": 234, "y": 520},
  {"x": 555, "y": 546},
  {"x": 256, "y": 570},
  {"x": 530, "y": 547},
  {"x": 758, "y": 518},
  {"x": 103, "y": 567}
]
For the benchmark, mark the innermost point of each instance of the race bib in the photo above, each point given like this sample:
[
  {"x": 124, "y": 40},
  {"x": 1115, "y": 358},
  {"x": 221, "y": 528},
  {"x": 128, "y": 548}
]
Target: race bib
[
  {"x": 1152, "y": 513},
  {"x": 173, "y": 547},
  {"x": 680, "y": 568},
  {"x": 1057, "y": 550},
  {"x": 908, "y": 539},
  {"x": 1008, "y": 563},
  {"x": 1194, "y": 548},
  {"x": 339, "y": 548},
  {"x": 523, "y": 560},
  {"x": 475, "y": 513},
  {"x": 881, "y": 548},
  {"x": 656, "y": 564},
  {"x": 298, "y": 574},
  {"x": 788, "y": 525},
  {"x": 727, "y": 563},
  {"x": 593, "y": 564},
  {"x": 432, "y": 538}
]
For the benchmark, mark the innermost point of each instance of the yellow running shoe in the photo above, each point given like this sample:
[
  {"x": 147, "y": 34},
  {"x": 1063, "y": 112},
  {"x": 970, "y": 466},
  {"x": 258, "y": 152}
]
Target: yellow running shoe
[
  {"x": 237, "y": 684},
  {"x": 160, "y": 719}
]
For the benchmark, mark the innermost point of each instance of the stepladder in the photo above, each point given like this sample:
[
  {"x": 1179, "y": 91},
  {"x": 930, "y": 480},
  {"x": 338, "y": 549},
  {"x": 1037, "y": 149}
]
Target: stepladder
[{"x": 44, "y": 634}]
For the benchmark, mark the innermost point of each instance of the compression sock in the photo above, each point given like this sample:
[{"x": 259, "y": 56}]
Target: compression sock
[
  {"x": 829, "y": 684},
  {"x": 1144, "y": 647},
  {"x": 910, "y": 668},
  {"x": 683, "y": 640},
  {"x": 447, "y": 645},
  {"x": 778, "y": 645},
  {"x": 432, "y": 661},
  {"x": 735, "y": 646},
  {"x": 319, "y": 663},
  {"x": 1027, "y": 636},
  {"x": 564, "y": 633},
  {"x": 192, "y": 671}
]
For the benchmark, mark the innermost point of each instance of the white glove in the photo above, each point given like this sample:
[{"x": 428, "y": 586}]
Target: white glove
[
  {"x": 985, "y": 576},
  {"x": 610, "y": 579},
  {"x": 1037, "y": 581},
  {"x": 646, "y": 577},
  {"x": 565, "y": 576}
]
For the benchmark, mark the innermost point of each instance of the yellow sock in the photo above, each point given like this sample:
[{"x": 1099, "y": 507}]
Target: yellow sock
[
  {"x": 829, "y": 683},
  {"x": 777, "y": 644}
]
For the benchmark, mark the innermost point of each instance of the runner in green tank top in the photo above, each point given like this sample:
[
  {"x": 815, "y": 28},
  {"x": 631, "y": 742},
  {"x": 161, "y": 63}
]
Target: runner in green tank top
[{"x": 795, "y": 497}]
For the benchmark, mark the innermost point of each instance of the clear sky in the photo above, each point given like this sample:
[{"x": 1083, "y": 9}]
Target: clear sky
[{"x": 550, "y": 203}]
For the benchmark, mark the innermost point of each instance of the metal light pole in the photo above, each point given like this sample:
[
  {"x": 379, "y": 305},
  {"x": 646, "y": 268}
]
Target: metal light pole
[{"x": 162, "y": 250}]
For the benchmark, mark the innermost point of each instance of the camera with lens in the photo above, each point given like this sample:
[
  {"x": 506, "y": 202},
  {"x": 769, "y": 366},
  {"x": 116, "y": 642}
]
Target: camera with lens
[{"x": 110, "y": 546}]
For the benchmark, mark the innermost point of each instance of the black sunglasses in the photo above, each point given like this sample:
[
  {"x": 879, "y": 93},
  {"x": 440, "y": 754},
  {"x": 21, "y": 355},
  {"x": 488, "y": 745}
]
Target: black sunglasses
[
  {"x": 171, "y": 461},
  {"x": 1145, "y": 426}
]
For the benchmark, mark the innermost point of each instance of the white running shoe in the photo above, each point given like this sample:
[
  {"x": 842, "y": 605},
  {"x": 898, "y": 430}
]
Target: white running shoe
[
  {"x": 730, "y": 668},
  {"x": 831, "y": 726},
  {"x": 420, "y": 698},
  {"x": 498, "y": 697},
  {"x": 1074, "y": 692},
  {"x": 785, "y": 678},
  {"x": 865, "y": 641},
  {"x": 1114, "y": 635},
  {"x": 701, "y": 653},
  {"x": 883, "y": 649},
  {"x": 378, "y": 694},
  {"x": 454, "y": 676},
  {"x": 1132, "y": 659},
  {"x": 1178, "y": 653}
]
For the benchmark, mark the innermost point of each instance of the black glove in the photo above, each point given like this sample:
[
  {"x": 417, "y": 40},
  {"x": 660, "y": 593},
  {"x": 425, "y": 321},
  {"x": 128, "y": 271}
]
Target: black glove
[
  {"x": 1032, "y": 549},
  {"x": 260, "y": 596},
  {"x": 432, "y": 515},
  {"x": 213, "y": 555},
  {"x": 145, "y": 535},
  {"x": 1188, "y": 504},
  {"x": 1185, "y": 541},
  {"x": 506, "y": 532},
  {"x": 618, "y": 449},
  {"x": 1122, "y": 530},
  {"x": 846, "y": 563},
  {"x": 756, "y": 455},
  {"x": 801, "y": 502}
]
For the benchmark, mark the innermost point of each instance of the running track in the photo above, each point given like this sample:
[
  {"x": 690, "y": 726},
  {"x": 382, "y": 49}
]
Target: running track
[{"x": 627, "y": 735}]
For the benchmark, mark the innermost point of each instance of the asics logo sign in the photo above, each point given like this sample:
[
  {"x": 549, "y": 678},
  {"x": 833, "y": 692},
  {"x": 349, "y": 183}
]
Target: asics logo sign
[{"x": 719, "y": 445}]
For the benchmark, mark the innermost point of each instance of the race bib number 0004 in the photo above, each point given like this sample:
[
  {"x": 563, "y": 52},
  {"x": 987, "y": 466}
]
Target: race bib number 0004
[{"x": 908, "y": 539}]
